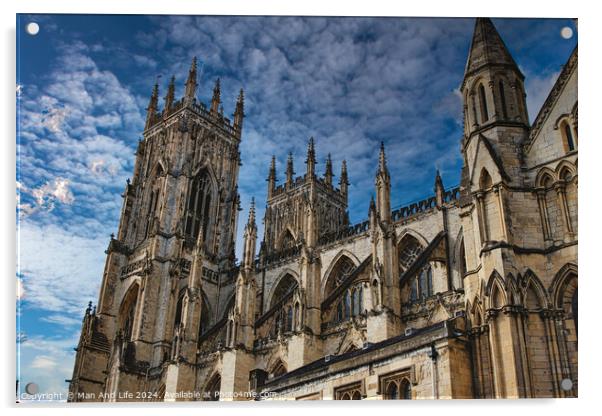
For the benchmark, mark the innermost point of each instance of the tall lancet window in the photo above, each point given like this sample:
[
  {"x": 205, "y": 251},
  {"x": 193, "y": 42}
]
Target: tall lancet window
[
  {"x": 503, "y": 100},
  {"x": 199, "y": 206},
  {"x": 483, "y": 102}
]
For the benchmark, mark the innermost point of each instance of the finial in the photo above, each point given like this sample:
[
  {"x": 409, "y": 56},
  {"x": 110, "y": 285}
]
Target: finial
[
  {"x": 382, "y": 159},
  {"x": 272, "y": 171},
  {"x": 252, "y": 212},
  {"x": 290, "y": 172},
  {"x": 191, "y": 82},
  {"x": 328, "y": 172},
  {"x": 215, "y": 100},
  {"x": 170, "y": 96}
]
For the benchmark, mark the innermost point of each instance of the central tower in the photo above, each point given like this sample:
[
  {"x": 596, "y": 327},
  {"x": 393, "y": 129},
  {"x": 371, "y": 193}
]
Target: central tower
[{"x": 287, "y": 224}]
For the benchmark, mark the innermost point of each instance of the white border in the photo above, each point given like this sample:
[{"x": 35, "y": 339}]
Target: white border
[{"x": 589, "y": 34}]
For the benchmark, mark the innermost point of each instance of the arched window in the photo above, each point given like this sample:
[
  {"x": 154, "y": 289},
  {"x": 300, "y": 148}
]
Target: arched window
[
  {"x": 199, "y": 206},
  {"x": 503, "y": 99},
  {"x": 409, "y": 250},
  {"x": 354, "y": 302},
  {"x": 485, "y": 182},
  {"x": 406, "y": 390},
  {"x": 341, "y": 270},
  {"x": 128, "y": 312},
  {"x": 483, "y": 102},
  {"x": 425, "y": 282},
  {"x": 392, "y": 391},
  {"x": 289, "y": 319},
  {"x": 286, "y": 286},
  {"x": 568, "y": 137}
]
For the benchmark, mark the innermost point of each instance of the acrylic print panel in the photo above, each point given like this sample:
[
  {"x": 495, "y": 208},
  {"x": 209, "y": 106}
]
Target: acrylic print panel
[{"x": 303, "y": 208}]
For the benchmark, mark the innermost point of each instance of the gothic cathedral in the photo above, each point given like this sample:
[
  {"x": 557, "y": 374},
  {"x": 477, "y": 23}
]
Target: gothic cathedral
[{"x": 470, "y": 293}]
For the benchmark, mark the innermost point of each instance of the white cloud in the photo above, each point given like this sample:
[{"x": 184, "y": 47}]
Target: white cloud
[
  {"x": 44, "y": 362},
  {"x": 61, "y": 271},
  {"x": 48, "y": 362},
  {"x": 538, "y": 88}
]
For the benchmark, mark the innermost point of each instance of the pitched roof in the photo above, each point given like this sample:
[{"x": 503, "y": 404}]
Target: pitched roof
[{"x": 487, "y": 48}]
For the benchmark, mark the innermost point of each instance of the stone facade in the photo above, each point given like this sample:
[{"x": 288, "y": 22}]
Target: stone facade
[{"x": 470, "y": 293}]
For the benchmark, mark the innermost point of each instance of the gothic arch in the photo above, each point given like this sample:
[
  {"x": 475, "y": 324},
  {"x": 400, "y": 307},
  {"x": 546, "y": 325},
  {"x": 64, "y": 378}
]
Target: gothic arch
[
  {"x": 413, "y": 233},
  {"x": 545, "y": 177},
  {"x": 335, "y": 264},
  {"x": 532, "y": 286},
  {"x": 201, "y": 204},
  {"x": 512, "y": 290},
  {"x": 561, "y": 281},
  {"x": 207, "y": 167},
  {"x": 495, "y": 291},
  {"x": 564, "y": 167},
  {"x": 408, "y": 250},
  {"x": 287, "y": 239},
  {"x": 284, "y": 281},
  {"x": 485, "y": 180},
  {"x": 128, "y": 311}
]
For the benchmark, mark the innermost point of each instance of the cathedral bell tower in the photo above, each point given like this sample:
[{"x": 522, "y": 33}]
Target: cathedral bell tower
[{"x": 170, "y": 270}]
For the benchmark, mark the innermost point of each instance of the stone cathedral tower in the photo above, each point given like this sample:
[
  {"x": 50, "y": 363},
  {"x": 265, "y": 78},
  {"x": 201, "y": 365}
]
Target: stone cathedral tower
[{"x": 177, "y": 228}]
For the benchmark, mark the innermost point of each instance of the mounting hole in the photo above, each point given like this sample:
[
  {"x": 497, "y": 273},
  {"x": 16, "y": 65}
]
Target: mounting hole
[
  {"x": 32, "y": 28},
  {"x": 566, "y": 32},
  {"x": 31, "y": 388},
  {"x": 566, "y": 384}
]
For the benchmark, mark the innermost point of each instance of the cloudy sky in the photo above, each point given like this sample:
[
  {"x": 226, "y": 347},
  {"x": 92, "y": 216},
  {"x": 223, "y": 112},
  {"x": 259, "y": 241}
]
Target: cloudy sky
[{"x": 84, "y": 81}]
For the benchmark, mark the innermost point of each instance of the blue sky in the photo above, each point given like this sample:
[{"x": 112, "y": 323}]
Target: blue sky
[{"x": 85, "y": 80}]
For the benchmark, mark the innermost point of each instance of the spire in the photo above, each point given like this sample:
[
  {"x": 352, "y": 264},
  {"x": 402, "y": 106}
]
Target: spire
[
  {"x": 170, "y": 96},
  {"x": 239, "y": 113},
  {"x": 191, "y": 82},
  {"x": 383, "y": 187},
  {"x": 311, "y": 159},
  {"x": 487, "y": 48},
  {"x": 216, "y": 100},
  {"x": 250, "y": 238},
  {"x": 439, "y": 189},
  {"x": 153, "y": 105},
  {"x": 344, "y": 181},
  {"x": 251, "y": 220},
  {"x": 328, "y": 172},
  {"x": 290, "y": 172},
  {"x": 382, "y": 161},
  {"x": 272, "y": 177}
]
